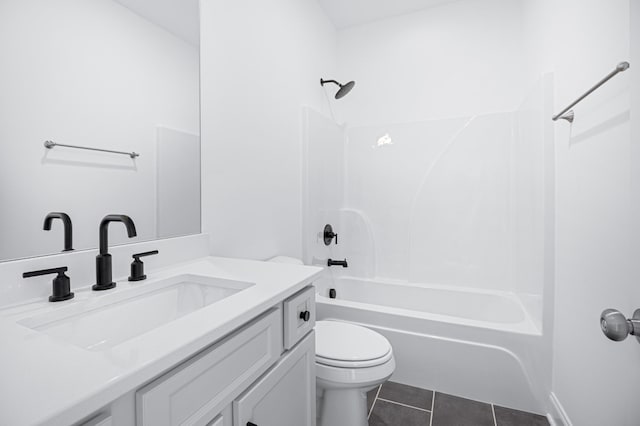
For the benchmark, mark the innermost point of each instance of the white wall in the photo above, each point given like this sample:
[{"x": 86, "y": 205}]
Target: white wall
[
  {"x": 532, "y": 208},
  {"x": 84, "y": 73},
  {"x": 323, "y": 185},
  {"x": 457, "y": 59},
  {"x": 594, "y": 379},
  {"x": 261, "y": 62},
  {"x": 635, "y": 137}
]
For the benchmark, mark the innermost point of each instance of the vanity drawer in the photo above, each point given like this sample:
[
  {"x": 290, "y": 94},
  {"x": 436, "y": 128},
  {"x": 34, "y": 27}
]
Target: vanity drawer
[
  {"x": 100, "y": 420},
  {"x": 195, "y": 392},
  {"x": 295, "y": 326}
]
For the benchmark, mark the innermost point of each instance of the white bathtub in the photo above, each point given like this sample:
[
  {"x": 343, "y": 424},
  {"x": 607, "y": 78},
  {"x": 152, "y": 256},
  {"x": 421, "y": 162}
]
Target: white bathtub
[{"x": 481, "y": 345}]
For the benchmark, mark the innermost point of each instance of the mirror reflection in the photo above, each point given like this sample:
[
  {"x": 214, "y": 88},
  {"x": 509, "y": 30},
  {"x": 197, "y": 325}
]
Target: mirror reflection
[{"x": 113, "y": 75}]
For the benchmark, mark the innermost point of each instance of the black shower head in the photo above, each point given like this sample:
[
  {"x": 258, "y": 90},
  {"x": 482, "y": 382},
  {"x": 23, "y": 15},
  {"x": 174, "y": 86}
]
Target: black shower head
[{"x": 344, "y": 88}]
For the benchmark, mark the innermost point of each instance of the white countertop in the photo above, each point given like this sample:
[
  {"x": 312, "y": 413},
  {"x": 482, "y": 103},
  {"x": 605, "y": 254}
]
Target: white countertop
[{"x": 44, "y": 380}]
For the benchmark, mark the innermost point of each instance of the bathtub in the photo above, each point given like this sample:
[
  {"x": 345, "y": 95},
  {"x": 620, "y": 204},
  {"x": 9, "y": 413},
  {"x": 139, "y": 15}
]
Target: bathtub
[{"x": 478, "y": 344}]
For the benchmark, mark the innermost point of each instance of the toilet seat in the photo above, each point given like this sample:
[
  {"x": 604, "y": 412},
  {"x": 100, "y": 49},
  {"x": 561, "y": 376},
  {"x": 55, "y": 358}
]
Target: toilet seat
[
  {"x": 353, "y": 364},
  {"x": 344, "y": 345}
]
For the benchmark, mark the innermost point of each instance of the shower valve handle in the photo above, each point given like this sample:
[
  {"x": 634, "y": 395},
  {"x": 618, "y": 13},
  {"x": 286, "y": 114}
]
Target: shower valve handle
[
  {"x": 328, "y": 235},
  {"x": 617, "y": 327}
]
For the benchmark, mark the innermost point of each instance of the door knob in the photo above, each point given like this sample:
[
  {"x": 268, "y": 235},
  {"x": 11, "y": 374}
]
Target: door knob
[{"x": 617, "y": 327}]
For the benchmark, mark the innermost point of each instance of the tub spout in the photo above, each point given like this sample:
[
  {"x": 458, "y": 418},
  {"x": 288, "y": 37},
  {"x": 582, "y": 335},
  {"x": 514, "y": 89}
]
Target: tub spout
[{"x": 342, "y": 263}]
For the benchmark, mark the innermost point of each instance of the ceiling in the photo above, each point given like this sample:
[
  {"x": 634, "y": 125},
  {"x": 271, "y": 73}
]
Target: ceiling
[
  {"x": 348, "y": 13},
  {"x": 180, "y": 17}
]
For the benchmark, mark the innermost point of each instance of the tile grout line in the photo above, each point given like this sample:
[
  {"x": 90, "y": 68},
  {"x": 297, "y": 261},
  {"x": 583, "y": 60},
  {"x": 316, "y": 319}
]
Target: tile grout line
[
  {"x": 431, "y": 411},
  {"x": 493, "y": 411},
  {"x": 404, "y": 405},
  {"x": 433, "y": 407},
  {"x": 373, "y": 404}
]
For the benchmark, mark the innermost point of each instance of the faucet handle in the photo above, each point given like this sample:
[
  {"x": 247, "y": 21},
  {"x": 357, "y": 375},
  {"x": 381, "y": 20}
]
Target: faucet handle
[
  {"x": 146, "y": 253},
  {"x": 137, "y": 266},
  {"x": 61, "y": 283}
]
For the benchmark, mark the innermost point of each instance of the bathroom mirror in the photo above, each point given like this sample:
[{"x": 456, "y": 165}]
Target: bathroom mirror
[{"x": 117, "y": 75}]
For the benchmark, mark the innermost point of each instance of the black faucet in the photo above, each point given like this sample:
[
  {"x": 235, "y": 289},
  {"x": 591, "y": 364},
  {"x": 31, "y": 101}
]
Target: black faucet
[
  {"x": 68, "y": 230},
  {"x": 342, "y": 263},
  {"x": 103, "y": 260}
]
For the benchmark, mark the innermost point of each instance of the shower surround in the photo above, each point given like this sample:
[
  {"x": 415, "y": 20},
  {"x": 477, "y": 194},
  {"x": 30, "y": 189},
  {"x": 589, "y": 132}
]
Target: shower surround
[{"x": 452, "y": 207}]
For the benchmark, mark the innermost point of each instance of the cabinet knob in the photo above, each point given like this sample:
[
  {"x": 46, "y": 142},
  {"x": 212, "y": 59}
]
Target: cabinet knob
[
  {"x": 251, "y": 424},
  {"x": 305, "y": 315}
]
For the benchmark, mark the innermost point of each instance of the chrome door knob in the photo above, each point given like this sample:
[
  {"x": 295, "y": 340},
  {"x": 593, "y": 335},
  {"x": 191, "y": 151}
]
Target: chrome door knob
[{"x": 617, "y": 327}]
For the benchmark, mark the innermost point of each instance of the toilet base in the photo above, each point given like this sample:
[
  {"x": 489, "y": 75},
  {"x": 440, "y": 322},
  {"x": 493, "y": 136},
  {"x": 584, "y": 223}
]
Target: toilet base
[
  {"x": 343, "y": 407},
  {"x": 342, "y": 392}
]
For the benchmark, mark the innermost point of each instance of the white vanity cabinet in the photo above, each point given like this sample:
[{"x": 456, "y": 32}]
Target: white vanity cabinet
[
  {"x": 263, "y": 373},
  {"x": 100, "y": 420},
  {"x": 223, "y": 419},
  {"x": 285, "y": 396},
  {"x": 195, "y": 392}
]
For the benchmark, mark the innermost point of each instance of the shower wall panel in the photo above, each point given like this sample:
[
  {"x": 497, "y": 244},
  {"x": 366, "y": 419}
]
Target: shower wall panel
[
  {"x": 323, "y": 183},
  {"x": 457, "y": 201}
]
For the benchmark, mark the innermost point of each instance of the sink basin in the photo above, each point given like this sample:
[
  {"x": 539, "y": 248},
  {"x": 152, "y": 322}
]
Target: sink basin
[{"x": 104, "y": 322}]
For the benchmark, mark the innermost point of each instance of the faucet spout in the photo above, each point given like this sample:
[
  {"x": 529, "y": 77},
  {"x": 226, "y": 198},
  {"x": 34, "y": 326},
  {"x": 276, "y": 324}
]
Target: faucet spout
[
  {"x": 68, "y": 229},
  {"x": 103, "y": 260},
  {"x": 104, "y": 229}
]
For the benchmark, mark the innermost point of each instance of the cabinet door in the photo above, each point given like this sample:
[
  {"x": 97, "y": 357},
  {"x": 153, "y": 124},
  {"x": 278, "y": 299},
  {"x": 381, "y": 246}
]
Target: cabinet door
[
  {"x": 194, "y": 392},
  {"x": 224, "y": 419},
  {"x": 286, "y": 395},
  {"x": 100, "y": 420}
]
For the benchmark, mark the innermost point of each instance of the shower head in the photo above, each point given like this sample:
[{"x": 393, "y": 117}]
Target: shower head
[{"x": 344, "y": 88}]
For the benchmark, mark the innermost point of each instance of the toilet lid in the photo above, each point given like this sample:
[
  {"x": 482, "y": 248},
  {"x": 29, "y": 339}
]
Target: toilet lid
[{"x": 341, "y": 344}]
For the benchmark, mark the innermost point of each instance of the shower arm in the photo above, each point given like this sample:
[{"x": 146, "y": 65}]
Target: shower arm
[{"x": 322, "y": 82}]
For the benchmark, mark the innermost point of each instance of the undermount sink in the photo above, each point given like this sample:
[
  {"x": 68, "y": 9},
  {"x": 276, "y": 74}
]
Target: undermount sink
[{"x": 104, "y": 322}]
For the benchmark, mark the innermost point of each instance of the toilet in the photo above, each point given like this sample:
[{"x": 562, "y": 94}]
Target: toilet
[{"x": 350, "y": 361}]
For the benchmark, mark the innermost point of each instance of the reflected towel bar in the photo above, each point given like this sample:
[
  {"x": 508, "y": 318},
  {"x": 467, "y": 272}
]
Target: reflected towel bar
[
  {"x": 622, "y": 66},
  {"x": 51, "y": 144}
]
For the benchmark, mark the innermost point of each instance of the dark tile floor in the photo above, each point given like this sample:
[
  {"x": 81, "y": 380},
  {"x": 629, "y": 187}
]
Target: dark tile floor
[{"x": 394, "y": 404}]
